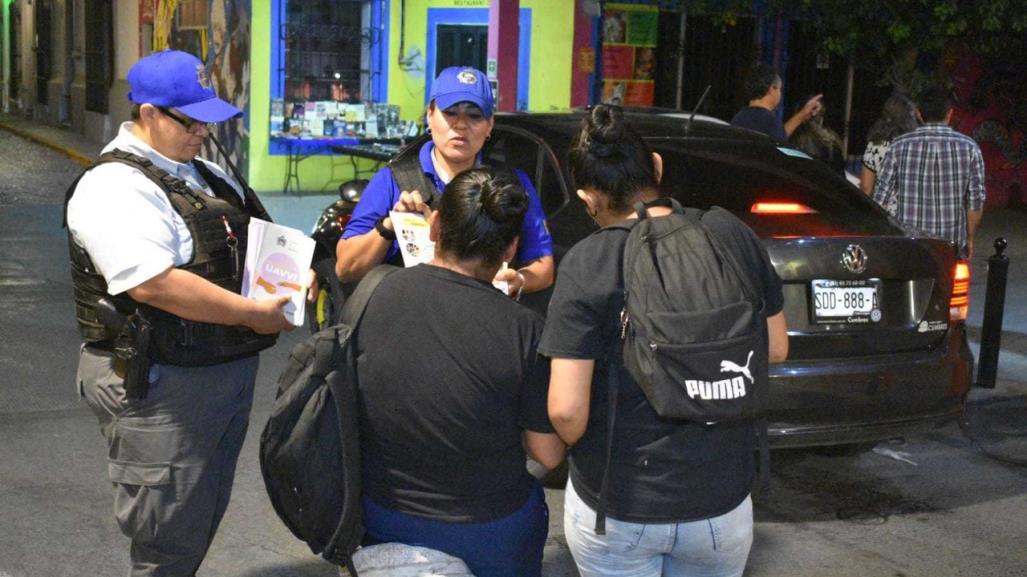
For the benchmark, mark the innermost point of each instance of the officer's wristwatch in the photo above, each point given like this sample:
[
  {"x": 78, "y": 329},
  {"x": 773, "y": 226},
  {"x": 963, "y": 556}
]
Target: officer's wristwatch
[{"x": 387, "y": 234}]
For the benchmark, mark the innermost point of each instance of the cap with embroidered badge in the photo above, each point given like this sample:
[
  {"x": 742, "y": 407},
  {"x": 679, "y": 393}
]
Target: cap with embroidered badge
[
  {"x": 458, "y": 84},
  {"x": 179, "y": 80}
]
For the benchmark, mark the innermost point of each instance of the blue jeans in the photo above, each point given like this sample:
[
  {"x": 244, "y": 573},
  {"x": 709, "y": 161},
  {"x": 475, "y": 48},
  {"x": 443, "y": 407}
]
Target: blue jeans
[
  {"x": 507, "y": 547},
  {"x": 717, "y": 547}
]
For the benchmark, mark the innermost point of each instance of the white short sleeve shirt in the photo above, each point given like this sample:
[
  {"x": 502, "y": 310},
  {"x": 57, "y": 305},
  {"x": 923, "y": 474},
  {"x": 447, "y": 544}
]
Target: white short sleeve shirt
[{"x": 126, "y": 223}]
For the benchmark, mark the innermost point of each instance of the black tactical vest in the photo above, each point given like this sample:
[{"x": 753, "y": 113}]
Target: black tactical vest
[{"x": 216, "y": 257}]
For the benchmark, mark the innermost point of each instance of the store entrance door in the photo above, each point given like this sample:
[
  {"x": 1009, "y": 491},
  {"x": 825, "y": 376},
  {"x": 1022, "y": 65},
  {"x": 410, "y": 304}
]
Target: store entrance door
[{"x": 461, "y": 45}]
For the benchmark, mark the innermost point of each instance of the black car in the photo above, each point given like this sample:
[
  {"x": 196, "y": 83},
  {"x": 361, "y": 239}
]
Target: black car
[{"x": 875, "y": 314}]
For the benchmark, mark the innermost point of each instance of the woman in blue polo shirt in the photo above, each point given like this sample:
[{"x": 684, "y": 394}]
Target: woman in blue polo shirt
[{"x": 460, "y": 121}]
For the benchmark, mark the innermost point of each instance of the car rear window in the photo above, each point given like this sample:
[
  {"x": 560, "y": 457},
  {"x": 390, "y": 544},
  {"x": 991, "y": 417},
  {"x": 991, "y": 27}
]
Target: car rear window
[{"x": 798, "y": 196}]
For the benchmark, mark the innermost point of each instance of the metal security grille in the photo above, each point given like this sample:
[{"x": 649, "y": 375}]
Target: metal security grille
[
  {"x": 44, "y": 50},
  {"x": 323, "y": 42},
  {"x": 99, "y": 54}
]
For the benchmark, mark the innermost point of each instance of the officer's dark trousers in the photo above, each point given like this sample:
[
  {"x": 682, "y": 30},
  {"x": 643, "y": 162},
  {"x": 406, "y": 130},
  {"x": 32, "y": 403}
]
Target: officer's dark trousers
[{"x": 172, "y": 455}]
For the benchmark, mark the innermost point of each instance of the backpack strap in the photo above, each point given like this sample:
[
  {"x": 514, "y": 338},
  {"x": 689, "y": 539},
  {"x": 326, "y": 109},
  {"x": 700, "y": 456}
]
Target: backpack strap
[
  {"x": 346, "y": 394},
  {"x": 253, "y": 205},
  {"x": 611, "y": 407},
  {"x": 356, "y": 304},
  {"x": 407, "y": 171},
  {"x": 642, "y": 208}
]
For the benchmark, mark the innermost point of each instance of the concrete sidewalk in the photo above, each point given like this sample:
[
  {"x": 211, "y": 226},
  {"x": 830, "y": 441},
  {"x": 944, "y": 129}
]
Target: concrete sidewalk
[{"x": 73, "y": 145}]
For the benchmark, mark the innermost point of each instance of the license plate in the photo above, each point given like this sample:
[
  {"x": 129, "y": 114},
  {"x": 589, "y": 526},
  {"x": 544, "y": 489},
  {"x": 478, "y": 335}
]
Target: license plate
[{"x": 846, "y": 301}]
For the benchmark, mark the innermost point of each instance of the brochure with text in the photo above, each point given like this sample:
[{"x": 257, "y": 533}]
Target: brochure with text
[
  {"x": 413, "y": 236},
  {"x": 277, "y": 260}
]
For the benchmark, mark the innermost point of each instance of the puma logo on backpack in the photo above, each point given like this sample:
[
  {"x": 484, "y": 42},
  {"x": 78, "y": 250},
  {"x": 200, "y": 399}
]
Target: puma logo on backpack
[{"x": 728, "y": 366}]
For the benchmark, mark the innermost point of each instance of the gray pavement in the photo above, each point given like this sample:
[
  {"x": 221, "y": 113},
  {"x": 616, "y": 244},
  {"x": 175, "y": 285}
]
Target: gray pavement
[{"x": 950, "y": 501}]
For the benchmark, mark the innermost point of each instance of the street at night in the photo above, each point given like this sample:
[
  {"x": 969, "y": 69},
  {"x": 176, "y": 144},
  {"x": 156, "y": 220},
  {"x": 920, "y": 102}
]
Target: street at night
[{"x": 949, "y": 501}]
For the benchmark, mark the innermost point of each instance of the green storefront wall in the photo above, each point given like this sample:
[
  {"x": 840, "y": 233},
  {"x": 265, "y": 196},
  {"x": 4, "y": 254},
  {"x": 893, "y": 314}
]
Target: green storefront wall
[{"x": 549, "y": 78}]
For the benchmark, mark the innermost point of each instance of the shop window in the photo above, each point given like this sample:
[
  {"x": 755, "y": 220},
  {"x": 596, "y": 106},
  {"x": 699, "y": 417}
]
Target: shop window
[
  {"x": 327, "y": 55},
  {"x": 99, "y": 54},
  {"x": 325, "y": 43}
]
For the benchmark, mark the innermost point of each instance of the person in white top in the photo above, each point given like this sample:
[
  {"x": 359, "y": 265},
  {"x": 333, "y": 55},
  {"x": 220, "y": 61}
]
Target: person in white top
[{"x": 167, "y": 256}]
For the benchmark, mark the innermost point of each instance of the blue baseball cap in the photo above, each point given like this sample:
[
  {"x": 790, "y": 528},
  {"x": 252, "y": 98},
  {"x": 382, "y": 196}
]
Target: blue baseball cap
[
  {"x": 175, "y": 79},
  {"x": 458, "y": 84}
]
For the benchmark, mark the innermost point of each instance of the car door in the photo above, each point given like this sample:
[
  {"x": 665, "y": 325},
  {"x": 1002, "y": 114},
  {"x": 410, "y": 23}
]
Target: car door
[{"x": 521, "y": 150}]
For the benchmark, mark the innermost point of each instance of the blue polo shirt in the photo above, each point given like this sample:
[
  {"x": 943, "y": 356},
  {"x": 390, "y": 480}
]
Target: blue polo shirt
[{"x": 382, "y": 193}]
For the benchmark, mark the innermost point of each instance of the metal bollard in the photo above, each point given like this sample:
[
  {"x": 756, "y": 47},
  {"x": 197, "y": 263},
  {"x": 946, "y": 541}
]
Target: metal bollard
[{"x": 994, "y": 305}]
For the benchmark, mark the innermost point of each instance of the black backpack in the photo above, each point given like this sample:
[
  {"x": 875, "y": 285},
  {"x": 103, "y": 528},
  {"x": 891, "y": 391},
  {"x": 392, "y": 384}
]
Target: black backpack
[
  {"x": 693, "y": 328},
  {"x": 408, "y": 174},
  {"x": 310, "y": 447},
  {"x": 693, "y": 324}
]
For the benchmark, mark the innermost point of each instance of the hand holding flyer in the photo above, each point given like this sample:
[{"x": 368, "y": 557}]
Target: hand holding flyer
[
  {"x": 412, "y": 234},
  {"x": 277, "y": 260}
]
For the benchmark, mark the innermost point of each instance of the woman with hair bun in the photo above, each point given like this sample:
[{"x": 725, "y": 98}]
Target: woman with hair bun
[
  {"x": 677, "y": 502},
  {"x": 453, "y": 393}
]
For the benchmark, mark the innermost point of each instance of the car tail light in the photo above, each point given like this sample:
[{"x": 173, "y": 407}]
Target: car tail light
[
  {"x": 781, "y": 208},
  {"x": 959, "y": 304}
]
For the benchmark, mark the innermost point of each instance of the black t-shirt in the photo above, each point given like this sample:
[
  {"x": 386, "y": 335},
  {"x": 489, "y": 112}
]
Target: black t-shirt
[
  {"x": 761, "y": 120},
  {"x": 662, "y": 471},
  {"x": 449, "y": 378}
]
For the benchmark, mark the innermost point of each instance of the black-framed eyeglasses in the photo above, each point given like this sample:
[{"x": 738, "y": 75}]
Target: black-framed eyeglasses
[{"x": 190, "y": 124}]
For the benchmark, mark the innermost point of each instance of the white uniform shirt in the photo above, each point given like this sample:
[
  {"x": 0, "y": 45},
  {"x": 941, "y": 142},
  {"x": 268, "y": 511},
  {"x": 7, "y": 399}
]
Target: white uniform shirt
[{"x": 125, "y": 221}]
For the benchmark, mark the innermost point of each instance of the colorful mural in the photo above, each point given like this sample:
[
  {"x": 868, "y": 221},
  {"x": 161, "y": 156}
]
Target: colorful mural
[
  {"x": 218, "y": 32},
  {"x": 993, "y": 110}
]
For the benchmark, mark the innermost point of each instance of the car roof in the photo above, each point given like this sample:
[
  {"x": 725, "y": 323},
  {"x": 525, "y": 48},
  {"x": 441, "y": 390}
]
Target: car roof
[{"x": 649, "y": 123}]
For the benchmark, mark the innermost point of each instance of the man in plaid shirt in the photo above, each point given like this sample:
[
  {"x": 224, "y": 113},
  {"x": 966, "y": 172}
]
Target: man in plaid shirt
[{"x": 932, "y": 179}]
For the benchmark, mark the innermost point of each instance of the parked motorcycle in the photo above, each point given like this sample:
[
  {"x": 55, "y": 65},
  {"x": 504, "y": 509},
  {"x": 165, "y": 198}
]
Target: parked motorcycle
[{"x": 325, "y": 310}]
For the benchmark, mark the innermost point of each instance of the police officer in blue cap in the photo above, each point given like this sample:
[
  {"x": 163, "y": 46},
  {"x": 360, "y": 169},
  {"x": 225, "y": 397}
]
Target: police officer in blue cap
[
  {"x": 170, "y": 347},
  {"x": 460, "y": 120}
]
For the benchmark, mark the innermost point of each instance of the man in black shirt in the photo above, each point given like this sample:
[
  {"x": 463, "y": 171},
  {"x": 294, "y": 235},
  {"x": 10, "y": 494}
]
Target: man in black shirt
[{"x": 763, "y": 90}]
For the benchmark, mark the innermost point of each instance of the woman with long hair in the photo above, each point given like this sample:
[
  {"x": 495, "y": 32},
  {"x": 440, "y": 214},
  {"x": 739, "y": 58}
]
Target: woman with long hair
[
  {"x": 898, "y": 117},
  {"x": 819, "y": 141},
  {"x": 678, "y": 500},
  {"x": 453, "y": 393}
]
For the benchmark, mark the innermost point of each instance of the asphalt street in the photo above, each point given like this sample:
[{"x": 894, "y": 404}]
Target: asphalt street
[{"x": 950, "y": 501}]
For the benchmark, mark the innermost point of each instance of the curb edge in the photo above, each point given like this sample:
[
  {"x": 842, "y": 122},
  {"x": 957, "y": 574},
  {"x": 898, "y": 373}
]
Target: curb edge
[{"x": 67, "y": 151}]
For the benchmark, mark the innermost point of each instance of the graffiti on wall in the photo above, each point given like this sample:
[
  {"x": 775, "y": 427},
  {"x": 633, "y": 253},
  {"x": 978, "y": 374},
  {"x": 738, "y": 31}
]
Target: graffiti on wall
[
  {"x": 218, "y": 32},
  {"x": 992, "y": 109}
]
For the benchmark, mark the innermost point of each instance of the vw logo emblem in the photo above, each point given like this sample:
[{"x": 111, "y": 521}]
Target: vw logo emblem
[{"x": 854, "y": 258}]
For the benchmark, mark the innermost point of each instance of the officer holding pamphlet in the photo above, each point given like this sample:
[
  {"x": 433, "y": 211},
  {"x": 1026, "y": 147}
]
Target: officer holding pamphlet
[
  {"x": 460, "y": 121},
  {"x": 158, "y": 242}
]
